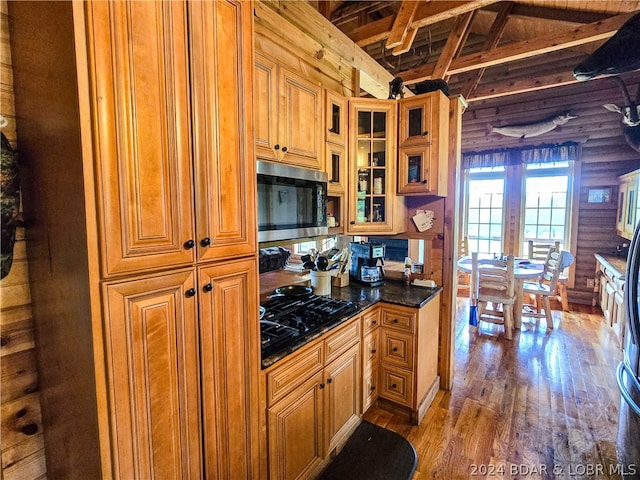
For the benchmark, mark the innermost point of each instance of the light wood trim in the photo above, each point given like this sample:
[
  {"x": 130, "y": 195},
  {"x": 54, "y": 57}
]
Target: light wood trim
[
  {"x": 592, "y": 32},
  {"x": 406, "y": 43},
  {"x": 446, "y": 357},
  {"x": 455, "y": 42},
  {"x": 374, "y": 79},
  {"x": 370, "y": 319},
  {"x": 401, "y": 23},
  {"x": 398, "y": 317},
  {"x": 491, "y": 41},
  {"x": 397, "y": 348},
  {"x": 396, "y": 384},
  {"x": 428, "y": 13}
]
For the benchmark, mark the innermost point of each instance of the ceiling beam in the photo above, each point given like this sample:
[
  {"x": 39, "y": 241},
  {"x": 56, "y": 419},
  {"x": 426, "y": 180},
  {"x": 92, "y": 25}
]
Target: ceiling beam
[
  {"x": 492, "y": 40},
  {"x": 427, "y": 14},
  {"x": 592, "y": 32},
  {"x": 454, "y": 44},
  {"x": 514, "y": 87},
  {"x": 406, "y": 43},
  {"x": 374, "y": 79},
  {"x": 401, "y": 23},
  {"x": 534, "y": 12}
]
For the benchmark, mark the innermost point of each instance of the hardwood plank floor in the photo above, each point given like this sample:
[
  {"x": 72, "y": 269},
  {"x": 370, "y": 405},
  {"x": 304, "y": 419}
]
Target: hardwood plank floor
[{"x": 544, "y": 405}]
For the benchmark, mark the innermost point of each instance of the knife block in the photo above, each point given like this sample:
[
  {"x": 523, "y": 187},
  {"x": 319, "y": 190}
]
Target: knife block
[{"x": 340, "y": 280}]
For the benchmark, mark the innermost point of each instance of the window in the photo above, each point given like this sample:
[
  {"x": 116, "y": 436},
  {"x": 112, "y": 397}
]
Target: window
[
  {"x": 303, "y": 248},
  {"x": 536, "y": 197},
  {"x": 485, "y": 210}
]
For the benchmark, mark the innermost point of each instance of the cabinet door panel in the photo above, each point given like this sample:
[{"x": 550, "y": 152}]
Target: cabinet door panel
[
  {"x": 152, "y": 362},
  {"x": 230, "y": 368},
  {"x": 265, "y": 96},
  {"x": 302, "y": 120},
  {"x": 344, "y": 397},
  {"x": 139, "y": 74},
  {"x": 224, "y": 162},
  {"x": 295, "y": 432}
]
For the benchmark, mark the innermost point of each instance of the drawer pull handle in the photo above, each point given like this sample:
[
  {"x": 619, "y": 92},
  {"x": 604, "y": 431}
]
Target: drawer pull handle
[
  {"x": 284, "y": 149},
  {"x": 205, "y": 242},
  {"x": 395, "y": 349},
  {"x": 208, "y": 287},
  {"x": 373, "y": 350},
  {"x": 277, "y": 146},
  {"x": 393, "y": 385},
  {"x": 189, "y": 244},
  {"x": 322, "y": 385},
  {"x": 190, "y": 293},
  {"x": 395, "y": 320},
  {"x": 375, "y": 322},
  {"x": 329, "y": 380},
  {"x": 373, "y": 387}
]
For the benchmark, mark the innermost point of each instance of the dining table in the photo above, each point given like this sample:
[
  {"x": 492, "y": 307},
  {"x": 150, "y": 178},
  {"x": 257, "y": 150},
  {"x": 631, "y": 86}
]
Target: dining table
[{"x": 523, "y": 269}]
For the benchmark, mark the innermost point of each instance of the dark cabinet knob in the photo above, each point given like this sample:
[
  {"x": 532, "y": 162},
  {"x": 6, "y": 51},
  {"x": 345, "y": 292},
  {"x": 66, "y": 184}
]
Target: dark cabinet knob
[
  {"x": 395, "y": 349},
  {"x": 332, "y": 181},
  {"x": 208, "y": 287},
  {"x": 329, "y": 380},
  {"x": 191, "y": 292},
  {"x": 205, "y": 242},
  {"x": 373, "y": 387},
  {"x": 393, "y": 385},
  {"x": 277, "y": 146},
  {"x": 189, "y": 244},
  {"x": 395, "y": 320},
  {"x": 332, "y": 130},
  {"x": 424, "y": 181},
  {"x": 375, "y": 322},
  {"x": 373, "y": 350},
  {"x": 322, "y": 385},
  {"x": 352, "y": 222},
  {"x": 284, "y": 149},
  {"x": 425, "y": 133}
]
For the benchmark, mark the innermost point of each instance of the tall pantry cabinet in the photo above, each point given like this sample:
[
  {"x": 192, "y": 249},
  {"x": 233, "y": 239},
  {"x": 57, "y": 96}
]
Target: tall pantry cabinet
[{"x": 135, "y": 129}]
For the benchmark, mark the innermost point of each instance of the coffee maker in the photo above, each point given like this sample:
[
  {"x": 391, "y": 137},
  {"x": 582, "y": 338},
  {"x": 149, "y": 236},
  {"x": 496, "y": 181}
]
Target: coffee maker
[{"x": 367, "y": 263}]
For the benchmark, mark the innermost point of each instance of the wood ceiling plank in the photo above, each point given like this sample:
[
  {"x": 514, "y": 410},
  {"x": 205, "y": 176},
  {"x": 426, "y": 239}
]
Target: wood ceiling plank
[
  {"x": 401, "y": 23},
  {"x": 453, "y": 45},
  {"x": 492, "y": 40},
  {"x": 577, "y": 36},
  {"x": 427, "y": 14},
  {"x": 406, "y": 43},
  {"x": 520, "y": 50}
]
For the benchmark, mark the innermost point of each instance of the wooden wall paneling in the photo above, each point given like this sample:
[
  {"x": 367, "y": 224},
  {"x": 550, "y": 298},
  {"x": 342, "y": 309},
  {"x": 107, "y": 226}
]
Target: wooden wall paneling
[
  {"x": 596, "y": 228},
  {"x": 22, "y": 454}
]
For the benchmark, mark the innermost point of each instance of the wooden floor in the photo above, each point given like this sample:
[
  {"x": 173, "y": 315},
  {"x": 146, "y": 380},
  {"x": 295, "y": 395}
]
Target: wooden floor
[{"x": 544, "y": 405}]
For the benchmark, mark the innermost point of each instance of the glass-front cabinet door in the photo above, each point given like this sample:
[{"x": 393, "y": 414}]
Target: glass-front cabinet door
[
  {"x": 372, "y": 173},
  {"x": 423, "y": 145}
]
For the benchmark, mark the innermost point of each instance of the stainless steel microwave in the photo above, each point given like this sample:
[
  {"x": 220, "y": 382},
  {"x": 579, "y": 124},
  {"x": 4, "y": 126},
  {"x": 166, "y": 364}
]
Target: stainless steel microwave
[{"x": 292, "y": 202}]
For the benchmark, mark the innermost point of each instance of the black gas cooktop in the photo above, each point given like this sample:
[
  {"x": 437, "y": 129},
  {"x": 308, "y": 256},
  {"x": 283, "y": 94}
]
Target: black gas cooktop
[{"x": 288, "y": 320}]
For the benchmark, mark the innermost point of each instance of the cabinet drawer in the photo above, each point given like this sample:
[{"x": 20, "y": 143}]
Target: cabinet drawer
[
  {"x": 340, "y": 340},
  {"x": 369, "y": 387},
  {"x": 293, "y": 372},
  {"x": 371, "y": 350},
  {"x": 370, "y": 320},
  {"x": 396, "y": 348},
  {"x": 398, "y": 319},
  {"x": 396, "y": 385}
]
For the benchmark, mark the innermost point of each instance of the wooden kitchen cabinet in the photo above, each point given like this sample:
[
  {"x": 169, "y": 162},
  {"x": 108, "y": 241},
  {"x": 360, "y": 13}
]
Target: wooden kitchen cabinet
[
  {"x": 610, "y": 273},
  {"x": 151, "y": 266},
  {"x": 152, "y": 359},
  {"x": 408, "y": 367},
  {"x": 628, "y": 215},
  {"x": 159, "y": 202},
  {"x": 314, "y": 402},
  {"x": 289, "y": 116},
  {"x": 370, "y": 356},
  {"x": 423, "y": 144},
  {"x": 373, "y": 207}
]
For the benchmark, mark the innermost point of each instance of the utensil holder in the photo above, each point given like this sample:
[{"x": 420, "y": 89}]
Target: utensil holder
[
  {"x": 321, "y": 282},
  {"x": 340, "y": 280}
]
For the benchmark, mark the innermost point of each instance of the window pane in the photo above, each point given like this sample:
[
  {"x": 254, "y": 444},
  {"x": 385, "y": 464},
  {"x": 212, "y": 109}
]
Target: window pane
[
  {"x": 546, "y": 201},
  {"x": 484, "y": 214}
]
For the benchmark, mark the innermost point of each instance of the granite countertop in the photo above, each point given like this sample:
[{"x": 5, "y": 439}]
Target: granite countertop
[
  {"x": 613, "y": 262},
  {"x": 393, "y": 292}
]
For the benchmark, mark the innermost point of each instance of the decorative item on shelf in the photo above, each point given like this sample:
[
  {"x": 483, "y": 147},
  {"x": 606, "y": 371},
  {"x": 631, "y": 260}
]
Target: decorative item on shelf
[{"x": 10, "y": 201}]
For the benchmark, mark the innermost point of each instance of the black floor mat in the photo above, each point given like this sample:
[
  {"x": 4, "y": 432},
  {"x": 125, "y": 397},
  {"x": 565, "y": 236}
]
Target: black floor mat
[{"x": 373, "y": 453}]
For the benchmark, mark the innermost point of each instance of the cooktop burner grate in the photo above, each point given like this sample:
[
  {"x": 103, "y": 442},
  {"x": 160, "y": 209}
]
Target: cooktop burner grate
[{"x": 288, "y": 320}]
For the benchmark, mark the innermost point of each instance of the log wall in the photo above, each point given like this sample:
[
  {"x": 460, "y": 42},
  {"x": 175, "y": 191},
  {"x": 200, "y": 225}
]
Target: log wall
[{"x": 22, "y": 448}]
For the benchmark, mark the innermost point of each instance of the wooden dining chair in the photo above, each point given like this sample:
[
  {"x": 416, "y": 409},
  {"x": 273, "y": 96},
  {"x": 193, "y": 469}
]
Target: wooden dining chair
[
  {"x": 463, "y": 251},
  {"x": 539, "y": 250},
  {"x": 544, "y": 288},
  {"x": 493, "y": 291}
]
